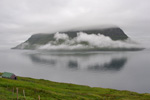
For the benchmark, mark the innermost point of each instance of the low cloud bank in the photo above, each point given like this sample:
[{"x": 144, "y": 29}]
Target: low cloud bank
[{"x": 85, "y": 41}]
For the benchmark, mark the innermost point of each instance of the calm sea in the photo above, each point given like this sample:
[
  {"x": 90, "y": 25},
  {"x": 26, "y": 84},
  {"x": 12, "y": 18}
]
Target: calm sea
[{"x": 128, "y": 70}]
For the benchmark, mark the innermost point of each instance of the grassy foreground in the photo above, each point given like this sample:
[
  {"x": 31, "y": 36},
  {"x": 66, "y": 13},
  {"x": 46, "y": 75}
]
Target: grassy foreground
[{"x": 48, "y": 90}]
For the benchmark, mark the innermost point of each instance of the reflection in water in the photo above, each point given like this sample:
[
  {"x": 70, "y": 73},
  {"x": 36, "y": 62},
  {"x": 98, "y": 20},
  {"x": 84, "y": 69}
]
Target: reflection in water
[
  {"x": 38, "y": 60},
  {"x": 90, "y": 62},
  {"x": 73, "y": 64},
  {"x": 114, "y": 64}
]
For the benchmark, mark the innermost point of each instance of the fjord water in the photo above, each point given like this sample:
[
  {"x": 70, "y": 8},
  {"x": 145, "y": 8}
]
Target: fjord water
[{"x": 126, "y": 70}]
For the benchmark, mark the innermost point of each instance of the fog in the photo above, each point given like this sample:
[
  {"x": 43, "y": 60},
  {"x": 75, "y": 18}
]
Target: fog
[{"x": 19, "y": 19}]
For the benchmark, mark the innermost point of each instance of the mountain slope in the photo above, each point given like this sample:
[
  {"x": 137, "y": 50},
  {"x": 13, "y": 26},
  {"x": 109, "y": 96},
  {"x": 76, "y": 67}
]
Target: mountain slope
[
  {"x": 115, "y": 33},
  {"x": 48, "y": 90}
]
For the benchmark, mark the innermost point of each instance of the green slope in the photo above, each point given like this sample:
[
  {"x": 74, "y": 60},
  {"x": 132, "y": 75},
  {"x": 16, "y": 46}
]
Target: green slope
[{"x": 48, "y": 90}]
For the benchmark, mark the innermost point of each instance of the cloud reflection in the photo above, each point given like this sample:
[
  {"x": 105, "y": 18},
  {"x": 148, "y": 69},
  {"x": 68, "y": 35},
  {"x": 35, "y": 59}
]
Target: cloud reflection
[
  {"x": 38, "y": 60},
  {"x": 88, "y": 62}
]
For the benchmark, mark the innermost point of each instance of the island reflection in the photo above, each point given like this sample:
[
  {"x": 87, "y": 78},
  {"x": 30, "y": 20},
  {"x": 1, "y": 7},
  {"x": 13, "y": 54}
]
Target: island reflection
[{"x": 89, "y": 62}]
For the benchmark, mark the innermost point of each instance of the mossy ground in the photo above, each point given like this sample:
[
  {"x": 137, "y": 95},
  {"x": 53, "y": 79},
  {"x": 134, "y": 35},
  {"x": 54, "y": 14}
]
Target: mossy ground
[{"x": 48, "y": 90}]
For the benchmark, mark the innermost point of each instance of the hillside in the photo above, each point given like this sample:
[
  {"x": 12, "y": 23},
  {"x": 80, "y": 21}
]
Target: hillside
[
  {"x": 35, "y": 40},
  {"x": 48, "y": 90}
]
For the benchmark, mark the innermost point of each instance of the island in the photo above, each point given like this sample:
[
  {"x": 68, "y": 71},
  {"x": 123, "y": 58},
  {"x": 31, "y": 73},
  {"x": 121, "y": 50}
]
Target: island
[{"x": 110, "y": 33}]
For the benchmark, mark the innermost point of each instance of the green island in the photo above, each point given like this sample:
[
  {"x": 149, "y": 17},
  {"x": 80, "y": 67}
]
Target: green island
[{"x": 40, "y": 89}]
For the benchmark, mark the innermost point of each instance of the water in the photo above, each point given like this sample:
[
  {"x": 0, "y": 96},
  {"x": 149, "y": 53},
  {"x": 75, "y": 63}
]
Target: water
[{"x": 117, "y": 70}]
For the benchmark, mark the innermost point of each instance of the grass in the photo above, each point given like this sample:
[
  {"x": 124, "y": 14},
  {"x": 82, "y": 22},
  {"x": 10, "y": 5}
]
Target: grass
[{"x": 48, "y": 90}]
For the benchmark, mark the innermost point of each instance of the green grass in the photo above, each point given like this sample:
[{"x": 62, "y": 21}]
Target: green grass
[{"x": 49, "y": 90}]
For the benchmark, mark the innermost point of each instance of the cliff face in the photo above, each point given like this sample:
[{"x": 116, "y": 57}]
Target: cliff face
[{"x": 41, "y": 39}]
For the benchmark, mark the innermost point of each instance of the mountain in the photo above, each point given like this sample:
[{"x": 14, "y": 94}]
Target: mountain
[{"x": 115, "y": 33}]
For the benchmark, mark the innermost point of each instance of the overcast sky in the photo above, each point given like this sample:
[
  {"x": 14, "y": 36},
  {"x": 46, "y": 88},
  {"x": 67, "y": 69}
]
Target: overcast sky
[{"x": 21, "y": 18}]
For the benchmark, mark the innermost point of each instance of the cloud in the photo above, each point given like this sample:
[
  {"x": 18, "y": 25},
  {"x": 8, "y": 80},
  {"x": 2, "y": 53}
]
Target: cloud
[
  {"x": 20, "y": 17},
  {"x": 85, "y": 41}
]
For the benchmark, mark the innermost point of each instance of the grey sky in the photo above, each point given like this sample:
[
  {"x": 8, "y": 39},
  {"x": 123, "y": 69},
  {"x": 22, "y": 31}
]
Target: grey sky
[{"x": 21, "y": 18}]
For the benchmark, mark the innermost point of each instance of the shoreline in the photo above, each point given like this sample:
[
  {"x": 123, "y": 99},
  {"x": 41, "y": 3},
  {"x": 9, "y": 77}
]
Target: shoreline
[{"x": 55, "y": 90}]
